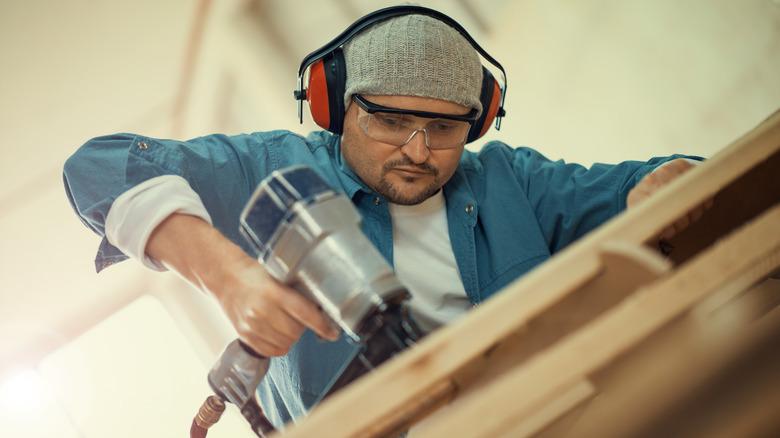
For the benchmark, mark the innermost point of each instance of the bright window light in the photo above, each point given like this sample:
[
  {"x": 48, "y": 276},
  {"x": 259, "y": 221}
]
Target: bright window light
[
  {"x": 28, "y": 408},
  {"x": 24, "y": 392}
]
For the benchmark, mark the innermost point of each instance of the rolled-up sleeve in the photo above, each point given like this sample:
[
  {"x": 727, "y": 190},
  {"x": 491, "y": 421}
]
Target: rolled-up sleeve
[{"x": 219, "y": 168}]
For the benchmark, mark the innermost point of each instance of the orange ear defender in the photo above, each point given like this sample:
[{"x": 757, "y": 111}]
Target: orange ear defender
[
  {"x": 325, "y": 92},
  {"x": 325, "y": 74}
]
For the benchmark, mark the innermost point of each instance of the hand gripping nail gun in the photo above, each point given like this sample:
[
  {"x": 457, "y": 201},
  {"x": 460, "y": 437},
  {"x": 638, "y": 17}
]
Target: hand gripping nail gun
[{"x": 308, "y": 236}]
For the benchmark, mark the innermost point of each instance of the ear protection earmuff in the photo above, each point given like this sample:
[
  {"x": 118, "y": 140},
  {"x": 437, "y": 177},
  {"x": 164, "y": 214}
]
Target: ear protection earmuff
[{"x": 326, "y": 75}]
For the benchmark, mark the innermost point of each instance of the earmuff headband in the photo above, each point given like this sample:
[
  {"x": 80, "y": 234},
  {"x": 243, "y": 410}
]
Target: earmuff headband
[{"x": 381, "y": 15}]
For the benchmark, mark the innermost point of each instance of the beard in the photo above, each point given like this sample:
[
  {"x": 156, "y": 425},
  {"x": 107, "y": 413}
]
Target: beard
[
  {"x": 403, "y": 197},
  {"x": 362, "y": 166}
]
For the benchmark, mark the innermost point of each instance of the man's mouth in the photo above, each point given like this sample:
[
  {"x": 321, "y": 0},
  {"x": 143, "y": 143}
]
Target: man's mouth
[{"x": 411, "y": 170}]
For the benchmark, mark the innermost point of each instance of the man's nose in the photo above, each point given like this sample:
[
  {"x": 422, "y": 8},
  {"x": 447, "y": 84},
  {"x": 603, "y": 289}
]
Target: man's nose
[{"x": 415, "y": 148}]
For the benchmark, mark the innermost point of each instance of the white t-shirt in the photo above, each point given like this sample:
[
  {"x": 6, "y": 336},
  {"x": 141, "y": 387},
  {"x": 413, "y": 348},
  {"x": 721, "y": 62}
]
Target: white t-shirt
[{"x": 425, "y": 264}]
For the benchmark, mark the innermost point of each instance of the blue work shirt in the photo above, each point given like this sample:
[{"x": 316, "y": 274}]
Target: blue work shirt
[{"x": 508, "y": 210}]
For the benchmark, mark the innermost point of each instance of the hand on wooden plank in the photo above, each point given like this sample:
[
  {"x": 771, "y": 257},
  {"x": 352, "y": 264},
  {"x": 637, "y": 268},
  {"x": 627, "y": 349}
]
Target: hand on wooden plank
[{"x": 653, "y": 181}]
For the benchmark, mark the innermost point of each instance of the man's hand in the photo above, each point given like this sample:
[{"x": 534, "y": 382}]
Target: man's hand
[
  {"x": 269, "y": 316},
  {"x": 653, "y": 181}
]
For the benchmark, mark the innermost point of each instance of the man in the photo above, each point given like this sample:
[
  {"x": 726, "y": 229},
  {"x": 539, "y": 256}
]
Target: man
[{"x": 456, "y": 225}]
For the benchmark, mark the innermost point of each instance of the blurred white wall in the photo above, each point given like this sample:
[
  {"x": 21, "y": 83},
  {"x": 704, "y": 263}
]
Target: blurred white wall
[
  {"x": 610, "y": 80},
  {"x": 588, "y": 81}
]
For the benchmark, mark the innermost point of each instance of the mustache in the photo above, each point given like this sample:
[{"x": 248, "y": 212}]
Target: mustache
[{"x": 406, "y": 162}]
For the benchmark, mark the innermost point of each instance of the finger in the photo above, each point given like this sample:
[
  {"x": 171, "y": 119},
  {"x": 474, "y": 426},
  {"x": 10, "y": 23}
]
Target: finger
[
  {"x": 286, "y": 326},
  {"x": 633, "y": 198},
  {"x": 262, "y": 329},
  {"x": 651, "y": 180},
  {"x": 697, "y": 214},
  {"x": 677, "y": 167},
  {"x": 661, "y": 175},
  {"x": 310, "y": 315},
  {"x": 670, "y": 171},
  {"x": 668, "y": 233},
  {"x": 263, "y": 346},
  {"x": 665, "y": 175},
  {"x": 300, "y": 309},
  {"x": 637, "y": 195},
  {"x": 261, "y": 320},
  {"x": 681, "y": 224}
]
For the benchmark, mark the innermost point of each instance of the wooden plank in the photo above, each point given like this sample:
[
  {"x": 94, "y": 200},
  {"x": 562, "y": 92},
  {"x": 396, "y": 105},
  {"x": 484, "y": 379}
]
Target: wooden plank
[
  {"x": 549, "y": 412},
  {"x": 739, "y": 260},
  {"x": 674, "y": 362},
  {"x": 733, "y": 391},
  {"x": 624, "y": 269},
  {"x": 736, "y": 203},
  {"x": 413, "y": 374}
]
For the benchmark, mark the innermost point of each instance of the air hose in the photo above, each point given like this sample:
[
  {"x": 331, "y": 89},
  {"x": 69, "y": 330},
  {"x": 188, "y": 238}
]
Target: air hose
[{"x": 208, "y": 414}]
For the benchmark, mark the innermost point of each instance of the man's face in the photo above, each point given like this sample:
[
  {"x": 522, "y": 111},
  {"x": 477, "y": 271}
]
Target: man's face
[{"x": 408, "y": 174}]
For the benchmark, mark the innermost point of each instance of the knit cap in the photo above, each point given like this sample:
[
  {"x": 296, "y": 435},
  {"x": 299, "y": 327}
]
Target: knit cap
[{"x": 413, "y": 55}]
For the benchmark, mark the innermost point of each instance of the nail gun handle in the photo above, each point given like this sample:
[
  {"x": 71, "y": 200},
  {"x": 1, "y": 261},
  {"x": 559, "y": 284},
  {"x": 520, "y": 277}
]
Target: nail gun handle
[
  {"x": 234, "y": 378},
  {"x": 237, "y": 372}
]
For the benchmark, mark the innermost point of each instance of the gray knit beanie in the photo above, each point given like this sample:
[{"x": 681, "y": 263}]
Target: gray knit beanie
[{"x": 413, "y": 55}]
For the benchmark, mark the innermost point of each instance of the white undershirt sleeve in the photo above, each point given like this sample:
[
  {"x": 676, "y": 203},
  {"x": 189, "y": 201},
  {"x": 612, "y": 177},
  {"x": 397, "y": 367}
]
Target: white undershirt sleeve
[{"x": 137, "y": 212}]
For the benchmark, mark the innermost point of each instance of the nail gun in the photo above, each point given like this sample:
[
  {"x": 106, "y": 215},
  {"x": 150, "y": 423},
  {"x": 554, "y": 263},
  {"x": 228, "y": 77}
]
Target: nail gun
[{"x": 307, "y": 236}]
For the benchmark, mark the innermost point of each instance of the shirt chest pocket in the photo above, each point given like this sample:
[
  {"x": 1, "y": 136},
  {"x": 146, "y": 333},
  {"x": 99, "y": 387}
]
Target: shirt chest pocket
[{"x": 508, "y": 243}]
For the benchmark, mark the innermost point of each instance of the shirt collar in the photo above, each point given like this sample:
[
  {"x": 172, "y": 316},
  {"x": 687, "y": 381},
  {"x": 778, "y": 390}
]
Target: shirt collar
[
  {"x": 461, "y": 201},
  {"x": 349, "y": 179}
]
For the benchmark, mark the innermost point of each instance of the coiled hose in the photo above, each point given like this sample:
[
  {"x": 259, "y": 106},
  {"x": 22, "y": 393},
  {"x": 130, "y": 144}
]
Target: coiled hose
[
  {"x": 211, "y": 410},
  {"x": 208, "y": 414}
]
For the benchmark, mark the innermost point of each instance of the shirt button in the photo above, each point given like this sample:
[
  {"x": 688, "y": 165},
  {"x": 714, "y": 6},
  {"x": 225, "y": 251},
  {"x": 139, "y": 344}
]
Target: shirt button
[
  {"x": 469, "y": 208},
  {"x": 377, "y": 201},
  {"x": 143, "y": 145}
]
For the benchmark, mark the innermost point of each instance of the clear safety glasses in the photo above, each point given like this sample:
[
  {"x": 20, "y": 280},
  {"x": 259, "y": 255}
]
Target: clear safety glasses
[{"x": 398, "y": 126}]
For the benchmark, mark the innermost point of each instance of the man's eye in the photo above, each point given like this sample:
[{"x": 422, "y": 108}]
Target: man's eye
[
  {"x": 388, "y": 120},
  {"x": 442, "y": 126}
]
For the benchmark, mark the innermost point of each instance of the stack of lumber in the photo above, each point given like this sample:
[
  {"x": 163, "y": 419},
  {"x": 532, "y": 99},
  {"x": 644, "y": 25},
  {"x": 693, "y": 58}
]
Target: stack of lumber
[{"x": 618, "y": 335}]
